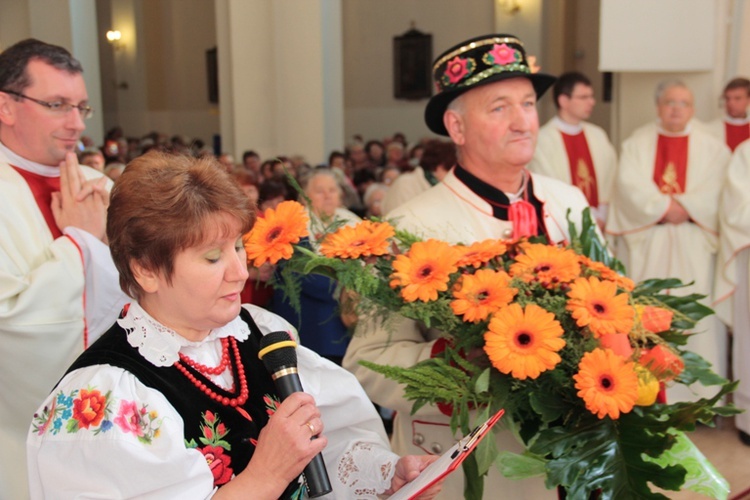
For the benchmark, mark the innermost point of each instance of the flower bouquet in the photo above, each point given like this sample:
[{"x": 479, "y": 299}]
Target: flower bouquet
[{"x": 576, "y": 353}]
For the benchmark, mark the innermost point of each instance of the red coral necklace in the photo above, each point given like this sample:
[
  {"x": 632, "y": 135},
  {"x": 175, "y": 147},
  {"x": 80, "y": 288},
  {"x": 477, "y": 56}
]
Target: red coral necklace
[
  {"x": 207, "y": 370},
  {"x": 236, "y": 401}
]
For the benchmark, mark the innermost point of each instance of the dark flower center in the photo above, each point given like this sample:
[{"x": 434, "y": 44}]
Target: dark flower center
[
  {"x": 599, "y": 308},
  {"x": 273, "y": 234},
  {"x": 606, "y": 382},
  {"x": 425, "y": 271},
  {"x": 523, "y": 338}
]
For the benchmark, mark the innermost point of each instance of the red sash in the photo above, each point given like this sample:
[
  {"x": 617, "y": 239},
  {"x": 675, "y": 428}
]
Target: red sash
[
  {"x": 735, "y": 134},
  {"x": 670, "y": 167},
  {"x": 42, "y": 188},
  {"x": 582, "y": 174}
]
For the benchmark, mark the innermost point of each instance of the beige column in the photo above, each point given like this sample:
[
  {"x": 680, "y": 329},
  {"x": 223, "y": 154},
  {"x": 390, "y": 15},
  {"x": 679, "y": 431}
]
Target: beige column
[{"x": 280, "y": 77}]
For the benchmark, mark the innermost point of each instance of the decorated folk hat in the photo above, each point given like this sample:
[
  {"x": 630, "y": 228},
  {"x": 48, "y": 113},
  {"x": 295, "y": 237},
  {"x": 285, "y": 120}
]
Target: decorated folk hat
[{"x": 475, "y": 62}]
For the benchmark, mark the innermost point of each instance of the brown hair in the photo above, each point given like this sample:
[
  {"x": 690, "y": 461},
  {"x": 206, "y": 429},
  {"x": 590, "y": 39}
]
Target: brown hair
[
  {"x": 438, "y": 153},
  {"x": 160, "y": 205},
  {"x": 738, "y": 83}
]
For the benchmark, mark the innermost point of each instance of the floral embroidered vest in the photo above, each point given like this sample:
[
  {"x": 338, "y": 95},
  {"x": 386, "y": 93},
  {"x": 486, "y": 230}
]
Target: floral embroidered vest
[{"x": 221, "y": 433}]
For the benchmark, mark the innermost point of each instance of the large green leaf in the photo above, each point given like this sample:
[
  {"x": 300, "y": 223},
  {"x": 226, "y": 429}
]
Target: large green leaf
[
  {"x": 549, "y": 405},
  {"x": 698, "y": 369},
  {"x": 589, "y": 242},
  {"x": 515, "y": 466},
  {"x": 605, "y": 456}
]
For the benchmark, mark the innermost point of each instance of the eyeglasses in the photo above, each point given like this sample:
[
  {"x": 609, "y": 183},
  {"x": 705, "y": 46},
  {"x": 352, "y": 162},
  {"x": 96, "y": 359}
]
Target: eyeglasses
[
  {"x": 57, "y": 107},
  {"x": 677, "y": 104}
]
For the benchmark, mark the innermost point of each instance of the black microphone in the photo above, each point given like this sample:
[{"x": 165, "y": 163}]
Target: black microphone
[{"x": 279, "y": 355}]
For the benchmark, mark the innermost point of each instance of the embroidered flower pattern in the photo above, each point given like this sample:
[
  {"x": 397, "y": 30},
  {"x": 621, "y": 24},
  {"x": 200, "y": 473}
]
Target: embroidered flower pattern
[
  {"x": 91, "y": 410},
  {"x": 457, "y": 69},
  {"x": 215, "y": 447},
  {"x": 272, "y": 404},
  {"x": 502, "y": 55}
]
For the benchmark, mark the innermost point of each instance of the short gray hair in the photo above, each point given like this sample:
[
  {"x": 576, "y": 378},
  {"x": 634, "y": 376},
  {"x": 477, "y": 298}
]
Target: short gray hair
[
  {"x": 318, "y": 172},
  {"x": 666, "y": 85},
  {"x": 457, "y": 105}
]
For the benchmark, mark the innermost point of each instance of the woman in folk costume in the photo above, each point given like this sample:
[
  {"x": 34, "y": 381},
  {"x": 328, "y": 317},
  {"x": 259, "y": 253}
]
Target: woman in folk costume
[{"x": 173, "y": 401}]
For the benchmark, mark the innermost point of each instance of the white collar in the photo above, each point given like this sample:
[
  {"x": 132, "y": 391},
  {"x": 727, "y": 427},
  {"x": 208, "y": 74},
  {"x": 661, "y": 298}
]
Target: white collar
[
  {"x": 161, "y": 345},
  {"x": 737, "y": 121},
  {"x": 682, "y": 133},
  {"x": 28, "y": 165},
  {"x": 567, "y": 128},
  {"x": 518, "y": 195}
]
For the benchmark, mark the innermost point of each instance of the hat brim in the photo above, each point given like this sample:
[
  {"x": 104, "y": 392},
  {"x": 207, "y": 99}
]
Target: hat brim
[{"x": 433, "y": 113}]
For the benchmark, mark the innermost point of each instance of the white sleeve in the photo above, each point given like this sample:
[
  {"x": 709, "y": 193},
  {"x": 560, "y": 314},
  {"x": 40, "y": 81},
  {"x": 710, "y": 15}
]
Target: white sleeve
[
  {"x": 358, "y": 457},
  {"x": 103, "y": 434}
]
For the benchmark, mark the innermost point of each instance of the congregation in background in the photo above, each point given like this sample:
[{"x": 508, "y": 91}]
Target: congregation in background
[{"x": 671, "y": 200}]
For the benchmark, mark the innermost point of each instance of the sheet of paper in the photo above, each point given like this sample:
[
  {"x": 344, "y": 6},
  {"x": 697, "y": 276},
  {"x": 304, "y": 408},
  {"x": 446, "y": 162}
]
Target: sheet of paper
[{"x": 447, "y": 463}]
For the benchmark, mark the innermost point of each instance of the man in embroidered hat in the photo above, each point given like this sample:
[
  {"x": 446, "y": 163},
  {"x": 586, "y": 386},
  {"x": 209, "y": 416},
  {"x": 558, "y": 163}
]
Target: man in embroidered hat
[{"x": 485, "y": 101}]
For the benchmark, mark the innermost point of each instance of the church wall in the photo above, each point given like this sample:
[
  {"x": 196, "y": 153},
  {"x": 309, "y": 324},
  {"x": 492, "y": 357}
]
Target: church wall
[{"x": 369, "y": 27}]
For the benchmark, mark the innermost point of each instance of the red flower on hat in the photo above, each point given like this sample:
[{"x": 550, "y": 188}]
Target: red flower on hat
[
  {"x": 502, "y": 54},
  {"x": 457, "y": 69}
]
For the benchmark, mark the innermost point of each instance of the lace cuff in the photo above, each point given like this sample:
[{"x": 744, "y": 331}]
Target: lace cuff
[{"x": 366, "y": 470}]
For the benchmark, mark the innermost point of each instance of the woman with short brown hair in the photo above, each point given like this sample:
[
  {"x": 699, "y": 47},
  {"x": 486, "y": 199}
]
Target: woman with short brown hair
[{"x": 172, "y": 401}]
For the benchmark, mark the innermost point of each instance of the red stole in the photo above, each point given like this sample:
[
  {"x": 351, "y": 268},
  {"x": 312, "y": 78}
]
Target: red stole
[
  {"x": 42, "y": 188},
  {"x": 582, "y": 174},
  {"x": 670, "y": 167},
  {"x": 735, "y": 134}
]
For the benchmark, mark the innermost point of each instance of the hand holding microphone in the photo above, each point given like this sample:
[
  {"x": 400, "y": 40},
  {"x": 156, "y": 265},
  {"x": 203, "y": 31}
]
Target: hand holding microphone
[{"x": 279, "y": 356}]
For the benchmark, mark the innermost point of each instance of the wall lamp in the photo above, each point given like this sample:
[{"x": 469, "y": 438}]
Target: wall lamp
[
  {"x": 115, "y": 38},
  {"x": 510, "y": 6}
]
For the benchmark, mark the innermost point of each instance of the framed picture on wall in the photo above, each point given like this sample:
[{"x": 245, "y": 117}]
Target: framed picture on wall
[{"x": 412, "y": 58}]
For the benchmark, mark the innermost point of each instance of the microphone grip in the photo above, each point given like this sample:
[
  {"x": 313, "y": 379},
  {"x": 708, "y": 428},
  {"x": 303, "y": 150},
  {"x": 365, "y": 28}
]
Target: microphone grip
[
  {"x": 316, "y": 477},
  {"x": 315, "y": 473},
  {"x": 287, "y": 385}
]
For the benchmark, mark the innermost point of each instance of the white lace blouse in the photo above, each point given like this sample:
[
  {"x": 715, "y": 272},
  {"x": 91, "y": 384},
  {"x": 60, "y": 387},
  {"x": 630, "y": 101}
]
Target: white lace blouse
[{"x": 139, "y": 450}]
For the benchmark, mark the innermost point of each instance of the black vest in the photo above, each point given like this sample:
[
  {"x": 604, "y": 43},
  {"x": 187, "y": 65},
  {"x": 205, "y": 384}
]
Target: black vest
[{"x": 221, "y": 433}]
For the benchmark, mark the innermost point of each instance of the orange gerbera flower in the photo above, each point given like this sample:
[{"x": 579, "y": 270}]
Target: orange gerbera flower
[
  {"x": 524, "y": 342},
  {"x": 595, "y": 304},
  {"x": 548, "y": 264},
  {"x": 480, "y": 252},
  {"x": 607, "y": 273},
  {"x": 599, "y": 268},
  {"x": 480, "y": 294},
  {"x": 625, "y": 283},
  {"x": 273, "y": 235},
  {"x": 363, "y": 240},
  {"x": 607, "y": 383},
  {"x": 424, "y": 270}
]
